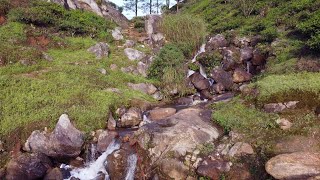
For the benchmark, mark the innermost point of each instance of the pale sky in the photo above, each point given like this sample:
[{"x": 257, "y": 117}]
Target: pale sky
[{"x": 130, "y": 14}]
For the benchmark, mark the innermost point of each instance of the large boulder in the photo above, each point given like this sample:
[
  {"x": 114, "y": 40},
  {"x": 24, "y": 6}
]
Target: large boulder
[
  {"x": 199, "y": 81},
  {"x": 64, "y": 142},
  {"x": 134, "y": 54},
  {"x": 161, "y": 113},
  {"x": 221, "y": 76},
  {"x": 105, "y": 10},
  {"x": 178, "y": 134},
  {"x": 130, "y": 118},
  {"x": 28, "y": 166},
  {"x": 215, "y": 42},
  {"x": 240, "y": 76},
  {"x": 246, "y": 54},
  {"x": 258, "y": 58},
  {"x": 213, "y": 168},
  {"x": 231, "y": 58},
  {"x": 54, "y": 174},
  {"x": 152, "y": 24},
  {"x": 296, "y": 143},
  {"x": 299, "y": 165},
  {"x": 100, "y": 50}
]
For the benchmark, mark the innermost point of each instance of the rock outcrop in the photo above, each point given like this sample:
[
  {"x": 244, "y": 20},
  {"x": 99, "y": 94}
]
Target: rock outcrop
[
  {"x": 64, "y": 142},
  {"x": 105, "y": 10}
]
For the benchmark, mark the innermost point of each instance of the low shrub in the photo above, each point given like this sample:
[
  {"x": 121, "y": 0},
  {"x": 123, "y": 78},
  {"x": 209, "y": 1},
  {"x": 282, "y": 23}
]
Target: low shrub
[
  {"x": 4, "y": 7},
  {"x": 186, "y": 31},
  {"x": 41, "y": 13},
  {"x": 168, "y": 68}
]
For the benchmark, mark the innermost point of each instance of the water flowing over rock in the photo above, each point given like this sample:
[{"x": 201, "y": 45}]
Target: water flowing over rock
[
  {"x": 64, "y": 142},
  {"x": 180, "y": 133},
  {"x": 105, "y": 139},
  {"x": 134, "y": 54},
  {"x": 95, "y": 169},
  {"x": 299, "y": 165},
  {"x": 101, "y": 50},
  {"x": 28, "y": 166}
]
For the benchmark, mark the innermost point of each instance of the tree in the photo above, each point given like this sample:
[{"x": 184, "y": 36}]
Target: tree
[
  {"x": 150, "y": 6},
  {"x": 131, "y": 5}
]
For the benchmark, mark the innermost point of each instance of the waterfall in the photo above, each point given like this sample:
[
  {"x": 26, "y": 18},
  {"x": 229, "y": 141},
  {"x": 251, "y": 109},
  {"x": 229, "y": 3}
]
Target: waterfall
[
  {"x": 97, "y": 167},
  {"x": 91, "y": 156},
  {"x": 131, "y": 167},
  {"x": 202, "y": 71},
  {"x": 201, "y": 50}
]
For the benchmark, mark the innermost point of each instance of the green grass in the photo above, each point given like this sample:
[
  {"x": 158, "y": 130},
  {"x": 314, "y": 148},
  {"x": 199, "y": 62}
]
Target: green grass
[
  {"x": 304, "y": 87},
  {"x": 42, "y": 92}
]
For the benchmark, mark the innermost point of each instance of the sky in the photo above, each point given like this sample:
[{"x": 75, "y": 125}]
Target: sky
[{"x": 131, "y": 14}]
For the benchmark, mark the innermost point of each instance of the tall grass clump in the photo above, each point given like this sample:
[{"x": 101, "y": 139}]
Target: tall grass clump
[
  {"x": 168, "y": 68},
  {"x": 184, "y": 30}
]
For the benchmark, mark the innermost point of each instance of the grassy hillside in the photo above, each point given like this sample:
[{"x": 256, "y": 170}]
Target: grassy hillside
[{"x": 35, "y": 92}]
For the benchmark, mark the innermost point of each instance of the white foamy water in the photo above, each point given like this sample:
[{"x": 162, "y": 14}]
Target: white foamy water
[
  {"x": 202, "y": 71},
  {"x": 201, "y": 50},
  {"x": 131, "y": 166},
  {"x": 97, "y": 167}
]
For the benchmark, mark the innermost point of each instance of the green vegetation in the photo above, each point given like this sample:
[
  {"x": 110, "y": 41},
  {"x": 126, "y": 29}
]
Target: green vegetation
[
  {"x": 55, "y": 16},
  {"x": 4, "y": 7},
  {"x": 304, "y": 87},
  {"x": 138, "y": 23},
  {"x": 12, "y": 38},
  {"x": 168, "y": 68},
  {"x": 269, "y": 18},
  {"x": 71, "y": 84},
  {"x": 185, "y": 31}
]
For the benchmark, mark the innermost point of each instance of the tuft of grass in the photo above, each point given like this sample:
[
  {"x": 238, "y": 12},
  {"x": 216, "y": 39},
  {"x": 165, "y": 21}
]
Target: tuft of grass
[{"x": 186, "y": 31}]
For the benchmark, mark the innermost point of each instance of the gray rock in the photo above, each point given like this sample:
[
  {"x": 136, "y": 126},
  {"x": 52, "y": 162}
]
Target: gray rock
[
  {"x": 161, "y": 113},
  {"x": 199, "y": 81},
  {"x": 284, "y": 124},
  {"x": 151, "y": 24},
  {"x": 100, "y": 50},
  {"x": 240, "y": 76},
  {"x": 218, "y": 88},
  {"x": 157, "y": 96},
  {"x": 296, "y": 143},
  {"x": 143, "y": 87},
  {"x": 28, "y": 166},
  {"x": 134, "y": 54},
  {"x": 246, "y": 54},
  {"x": 278, "y": 107},
  {"x": 216, "y": 42},
  {"x": 111, "y": 123},
  {"x": 299, "y": 165},
  {"x": 102, "y": 71},
  {"x": 131, "y": 118},
  {"x": 157, "y": 38},
  {"x": 174, "y": 168},
  {"x": 221, "y": 76},
  {"x": 180, "y": 133},
  {"x": 129, "y": 44},
  {"x": 64, "y": 142},
  {"x": 142, "y": 68},
  {"x": 47, "y": 57},
  {"x": 240, "y": 148},
  {"x": 116, "y": 34},
  {"x": 54, "y": 174},
  {"x": 113, "y": 67},
  {"x": 104, "y": 139}
]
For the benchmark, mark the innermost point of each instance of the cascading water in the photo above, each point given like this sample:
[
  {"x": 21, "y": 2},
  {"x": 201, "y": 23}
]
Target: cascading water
[
  {"x": 97, "y": 167},
  {"x": 201, "y": 50},
  {"x": 91, "y": 153},
  {"x": 131, "y": 167}
]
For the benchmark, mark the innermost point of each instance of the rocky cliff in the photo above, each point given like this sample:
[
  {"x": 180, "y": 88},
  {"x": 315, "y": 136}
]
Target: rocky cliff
[{"x": 104, "y": 9}]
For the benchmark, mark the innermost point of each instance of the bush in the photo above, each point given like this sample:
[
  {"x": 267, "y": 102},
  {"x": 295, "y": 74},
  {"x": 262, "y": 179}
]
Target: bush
[
  {"x": 186, "y": 31},
  {"x": 4, "y": 7},
  {"x": 210, "y": 60},
  {"x": 269, "y": 34},
  {"x": 47, "y": 14},
  {"x": 168, "y": 68}
]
